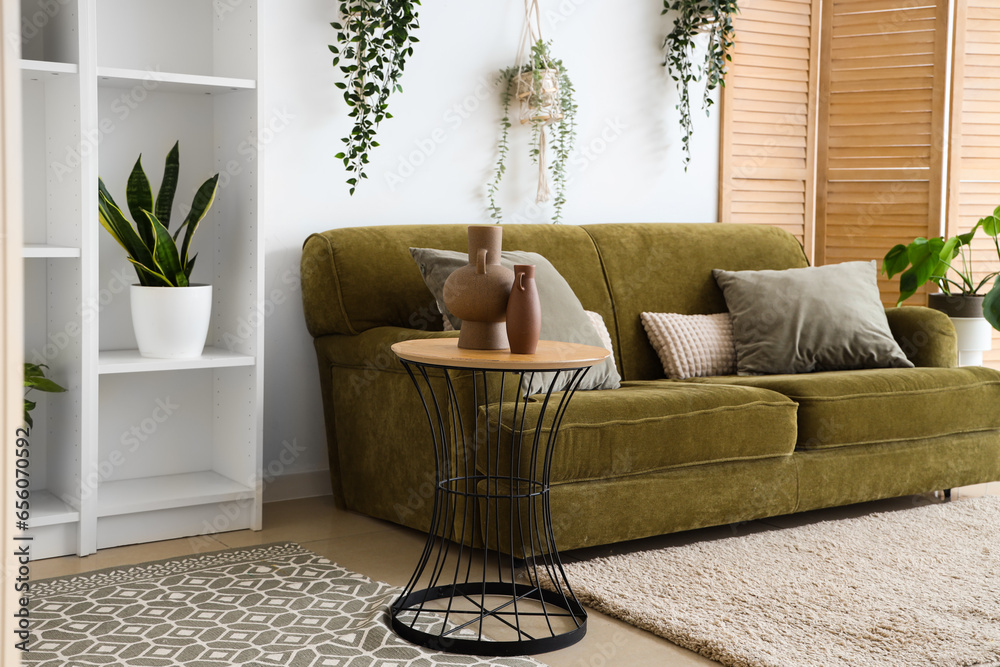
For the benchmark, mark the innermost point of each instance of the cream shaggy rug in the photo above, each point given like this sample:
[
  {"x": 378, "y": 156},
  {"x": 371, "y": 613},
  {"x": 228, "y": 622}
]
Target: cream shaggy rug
[{"x": 912, "y": 587}]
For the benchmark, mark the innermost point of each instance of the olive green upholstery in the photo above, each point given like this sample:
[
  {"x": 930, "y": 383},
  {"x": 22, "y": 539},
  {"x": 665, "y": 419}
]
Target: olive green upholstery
[
  {"x": 657, "y": 455},
  {"x": 656, "y": 425},
  {"x": 864, "y": 407},
  {"x": 659, "y": 270}
]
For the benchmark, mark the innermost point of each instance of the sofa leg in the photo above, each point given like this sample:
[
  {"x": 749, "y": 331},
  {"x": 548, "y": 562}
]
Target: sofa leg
[{"x": 947, "y": 494}]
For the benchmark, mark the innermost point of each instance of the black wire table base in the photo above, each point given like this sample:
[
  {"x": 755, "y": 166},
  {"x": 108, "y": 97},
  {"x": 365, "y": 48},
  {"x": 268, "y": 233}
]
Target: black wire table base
[{"x": 509, "y": 594}]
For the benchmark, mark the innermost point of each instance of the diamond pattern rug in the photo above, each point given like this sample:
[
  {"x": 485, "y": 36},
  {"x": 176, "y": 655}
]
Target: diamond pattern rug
[{"x": 276, "y": 604}]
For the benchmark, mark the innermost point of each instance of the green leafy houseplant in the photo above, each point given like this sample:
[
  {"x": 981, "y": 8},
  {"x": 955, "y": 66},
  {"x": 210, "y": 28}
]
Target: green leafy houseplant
[
  {"x": 695, "y": 17},
  {"x": 948, "y": 264},
  {"x": 374, "y": 39},
  {"x": 34, "y": 378},
  {"x": 546, "y": 95},
  {"x": 151, "y": 248}
]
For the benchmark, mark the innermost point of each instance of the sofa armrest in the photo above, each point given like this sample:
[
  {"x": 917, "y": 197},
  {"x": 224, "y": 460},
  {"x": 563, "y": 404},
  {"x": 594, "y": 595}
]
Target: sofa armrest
[
  {"x": 927, "y": 336},
  {"x": 370, "y": 349},
  {"x": 359, "y": 378}
]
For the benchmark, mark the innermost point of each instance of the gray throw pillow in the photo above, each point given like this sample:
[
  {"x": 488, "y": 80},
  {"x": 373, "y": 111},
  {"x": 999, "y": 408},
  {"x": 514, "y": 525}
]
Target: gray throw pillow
[
  {"x": 820, "y": 318},
  {"x": 563, "y": 318}
]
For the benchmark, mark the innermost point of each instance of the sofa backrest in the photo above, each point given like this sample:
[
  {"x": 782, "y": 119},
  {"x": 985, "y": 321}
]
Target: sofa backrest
[
  {"x": 667, "y": 268},
  {"x": 358, "y": 278}
]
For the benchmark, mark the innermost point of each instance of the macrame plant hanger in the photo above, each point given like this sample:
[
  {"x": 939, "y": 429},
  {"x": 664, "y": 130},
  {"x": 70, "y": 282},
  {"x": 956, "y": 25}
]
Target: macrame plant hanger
[{"x": 537, "y": 90}]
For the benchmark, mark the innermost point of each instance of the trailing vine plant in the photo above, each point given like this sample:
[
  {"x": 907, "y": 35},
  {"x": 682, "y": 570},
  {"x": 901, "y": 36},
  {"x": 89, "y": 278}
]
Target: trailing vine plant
[
  {"x": 545, "y": 93},
  {"x": 695, "y": 17},
  {"x": 374, "y": 39}
]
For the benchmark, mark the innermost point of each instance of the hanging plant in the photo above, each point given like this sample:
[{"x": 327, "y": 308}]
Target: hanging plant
[
  {"x": 374, "y": 39},
  {"x": 696, "y": 17},
  {"x": 543, "y": 91}
]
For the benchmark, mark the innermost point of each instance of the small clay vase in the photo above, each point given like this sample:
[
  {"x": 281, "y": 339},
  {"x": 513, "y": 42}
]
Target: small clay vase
[
  {"x": 524, "y": 311},
  {"x": 477, "y": 293}
]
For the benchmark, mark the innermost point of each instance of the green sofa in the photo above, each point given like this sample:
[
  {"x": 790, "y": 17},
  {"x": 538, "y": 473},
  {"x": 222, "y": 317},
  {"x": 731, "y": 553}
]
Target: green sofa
[{"x": 655, "y": 456}]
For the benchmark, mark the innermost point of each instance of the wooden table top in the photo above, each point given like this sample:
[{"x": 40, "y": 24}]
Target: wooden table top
[{"x": 550, "y": 355}]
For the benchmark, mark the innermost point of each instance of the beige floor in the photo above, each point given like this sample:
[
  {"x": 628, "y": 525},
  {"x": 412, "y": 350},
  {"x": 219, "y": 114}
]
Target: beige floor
[{"x": 388, "y": 553}]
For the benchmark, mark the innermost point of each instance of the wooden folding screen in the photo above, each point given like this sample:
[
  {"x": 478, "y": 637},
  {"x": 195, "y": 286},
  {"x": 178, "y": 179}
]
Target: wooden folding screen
[
  {"x": 768, "y": 117},
  {"x": 837, "y": 105},
  {"x": 880, "y": 155},
  {"x": 974, "y": 183}
]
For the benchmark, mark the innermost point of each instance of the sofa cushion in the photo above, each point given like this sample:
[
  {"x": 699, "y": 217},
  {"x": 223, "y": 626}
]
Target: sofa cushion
[
  {"x": 792, "y": 322},
  {"x": 667, "y": 268},
  {"x": 647, "y": 426},
  {"x": 359, "y": 278},
  {"x": 843, "y": 408}
]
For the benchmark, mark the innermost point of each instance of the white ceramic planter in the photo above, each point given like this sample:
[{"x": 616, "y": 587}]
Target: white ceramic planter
[
  {"x": 975, "y": 336},
  {"x": 171, "y": 322}
]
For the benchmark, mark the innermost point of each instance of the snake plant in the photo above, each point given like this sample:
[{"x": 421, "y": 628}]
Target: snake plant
[{"x": 151, "y": 248}]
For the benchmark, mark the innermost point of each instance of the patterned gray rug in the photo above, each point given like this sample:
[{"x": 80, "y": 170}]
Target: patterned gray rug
[
  {"x": 271, "y": 605},
  {"x": 909, "y": 588}
]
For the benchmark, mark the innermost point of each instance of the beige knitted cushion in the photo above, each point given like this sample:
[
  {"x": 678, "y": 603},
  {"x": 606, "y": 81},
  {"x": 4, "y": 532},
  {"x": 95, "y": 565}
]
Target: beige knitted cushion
[{"x": 692, "y": 345}]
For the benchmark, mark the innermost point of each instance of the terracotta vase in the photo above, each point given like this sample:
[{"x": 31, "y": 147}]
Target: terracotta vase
[
  {"x": 524, "y": 311},
  {"x": 477, "y": 293}
]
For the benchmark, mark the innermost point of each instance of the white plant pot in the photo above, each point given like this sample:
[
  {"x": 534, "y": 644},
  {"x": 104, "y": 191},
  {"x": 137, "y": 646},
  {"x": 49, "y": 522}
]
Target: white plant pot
[
  {"x": 975, "y": 336},
  {"x": 171, "y": 322}
]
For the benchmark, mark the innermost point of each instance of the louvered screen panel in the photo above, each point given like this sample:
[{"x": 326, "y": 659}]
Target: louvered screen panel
[
  {"x": 768, "y": 117},
  {"x": 882, "y": 91},
  {"x": 974, "y": 187}
]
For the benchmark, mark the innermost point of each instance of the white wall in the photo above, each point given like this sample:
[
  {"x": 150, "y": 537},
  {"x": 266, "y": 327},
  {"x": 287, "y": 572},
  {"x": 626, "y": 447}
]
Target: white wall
[{"x": 438, "y": 152}]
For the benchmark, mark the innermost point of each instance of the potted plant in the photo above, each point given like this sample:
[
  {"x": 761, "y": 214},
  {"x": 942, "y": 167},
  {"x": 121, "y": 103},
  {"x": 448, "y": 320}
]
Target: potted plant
[
  {"x": 34, "y": 378},
  {"x": 697, "y": 17},
  {"x": 948, "y": 263},
  {"x": 544, "y": 94},
  {"x": 374, "y": 39},
  {"x": 170, "y": 314}
]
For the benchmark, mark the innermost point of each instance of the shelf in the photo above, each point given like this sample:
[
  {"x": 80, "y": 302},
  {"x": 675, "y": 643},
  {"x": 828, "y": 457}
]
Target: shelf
[
  {"x": 47, "y": 510},
  {"x": 130, "y": 361},
  {"x": 116, "y": 77},
  {"x": 148, "y": 494},
  {"x": 42, "y": 70},
  {"x": 48, "y": 251}
]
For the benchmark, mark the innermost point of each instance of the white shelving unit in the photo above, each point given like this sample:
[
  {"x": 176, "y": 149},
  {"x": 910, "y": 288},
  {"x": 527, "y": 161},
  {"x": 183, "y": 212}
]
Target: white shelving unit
[
  {"x": 140, "y": 449},
  {"x": 45, "y": 251}
]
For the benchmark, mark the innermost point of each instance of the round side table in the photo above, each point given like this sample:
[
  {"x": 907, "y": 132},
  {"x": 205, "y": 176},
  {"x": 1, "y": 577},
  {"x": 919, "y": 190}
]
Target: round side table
[{"x": 507, "y": 594}]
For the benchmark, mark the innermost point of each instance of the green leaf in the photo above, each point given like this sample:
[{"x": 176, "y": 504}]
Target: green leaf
[
  {"x": 991, "y": 305},
  {"x": 150, "y": 277},
  {"x": 991, "y": 225},
  {"x": 34, "y": 370},
  {"x": 950, "y": 249},
  {"x": 168, "y": 186},
  {"x": 139, "y": 197},
  {"x": 202, "y": 201},
  {"x": 932, "y": 267},
  {"x": 121, "y": 230},
  {"x": 45, "y": 384},
  {"x": 895, "y": 261},
  {"x": 165, "y": 252},
  {"x": 908, "y": 285}
]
